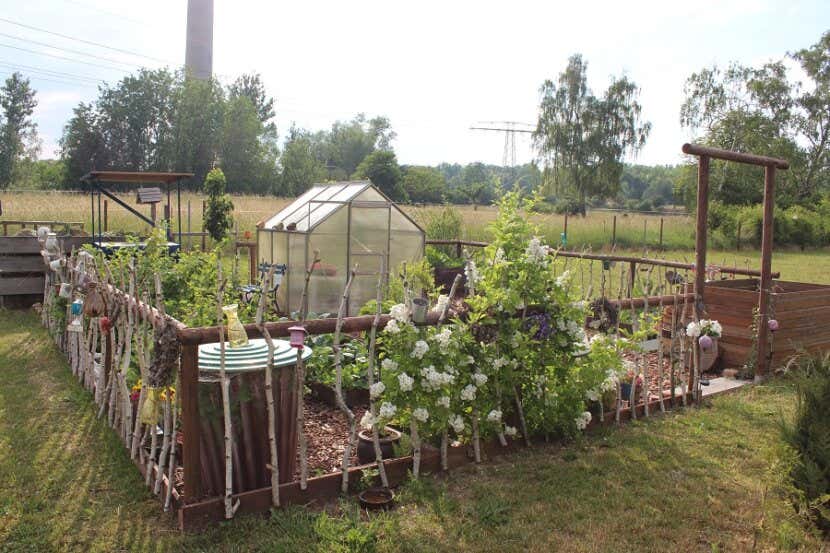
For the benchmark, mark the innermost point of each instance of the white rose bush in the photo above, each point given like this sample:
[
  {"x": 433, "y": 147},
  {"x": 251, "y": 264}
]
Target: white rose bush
[{"x": 517, "y": 365}]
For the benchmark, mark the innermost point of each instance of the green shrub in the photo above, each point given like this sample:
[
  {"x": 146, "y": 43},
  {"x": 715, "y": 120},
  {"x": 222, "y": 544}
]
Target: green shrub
[
  {"x": 571, "y": 206},
  {"x": 219, "y": 212},
  {"x": 809, "y": 436}
]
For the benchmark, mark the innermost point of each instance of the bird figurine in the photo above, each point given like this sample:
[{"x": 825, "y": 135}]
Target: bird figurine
[{"x": 675, "y": 278}]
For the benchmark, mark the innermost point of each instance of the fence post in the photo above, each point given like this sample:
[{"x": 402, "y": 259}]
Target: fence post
[
  {"x": 614, "y": 232},
  {"x": 191, "y": 425},
  {"x": 645, "y": 223},
  {"x": 738, "y": 238},
  {"x": 189, "y": 236},
  {"x": 565, "y": 230},
  {"x": 106, "y": 215},
  {"x": 632, "y": 273},
  {"x": 458, "y": 250},
  {"x": 203, "y": 225},
  {"x": 661, "y": 233}
]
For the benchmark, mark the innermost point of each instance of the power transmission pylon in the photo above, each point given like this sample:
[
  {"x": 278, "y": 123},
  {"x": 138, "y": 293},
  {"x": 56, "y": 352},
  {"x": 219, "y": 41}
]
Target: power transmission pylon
[{"x": 509, "y": 128}]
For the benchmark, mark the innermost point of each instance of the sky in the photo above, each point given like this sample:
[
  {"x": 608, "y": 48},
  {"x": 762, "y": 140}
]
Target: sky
[{"x": 434, "y": 68}]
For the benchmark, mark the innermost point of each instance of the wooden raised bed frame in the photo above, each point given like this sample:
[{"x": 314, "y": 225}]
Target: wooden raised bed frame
[{"x": 802, "y": 311}]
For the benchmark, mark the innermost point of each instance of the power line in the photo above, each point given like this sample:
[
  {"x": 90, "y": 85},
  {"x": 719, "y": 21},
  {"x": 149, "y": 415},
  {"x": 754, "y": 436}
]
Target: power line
[
  {"x": 47, "y": 45},
  {"x": 46, "y": 79},
  {"x": 109, "y": 13},
  {"x": 84, "y": 41},
  {"x": 509, "y": 128},
  {"x": 74, "y": 60},
  {"x": 61, "y": 74}
]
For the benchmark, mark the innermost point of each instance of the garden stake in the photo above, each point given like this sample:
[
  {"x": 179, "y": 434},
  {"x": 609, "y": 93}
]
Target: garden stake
[
  {"x": 370, "y": 375},
  {"x": 660, "y": 359},
  {"x": 165, "y": 443},
  {"x": 269, "y": 386},
  {"x": 444, "y": 433},
  {"x": 476, "y": 440},
  {"x": 230, "y": 508},
  {"x": 338, "y": 383},
  {"x": 300, "y": 380},
  {"x": 171, "y": 471}
]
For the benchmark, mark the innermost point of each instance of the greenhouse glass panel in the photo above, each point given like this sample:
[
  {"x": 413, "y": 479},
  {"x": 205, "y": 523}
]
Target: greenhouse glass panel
[
  {"x": 297, "y": 265},
  {"x": 330, "y": 275}
]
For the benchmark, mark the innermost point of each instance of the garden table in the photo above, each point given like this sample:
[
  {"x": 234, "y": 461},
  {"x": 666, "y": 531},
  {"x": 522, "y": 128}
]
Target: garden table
[{"x": 245, "y": 368}]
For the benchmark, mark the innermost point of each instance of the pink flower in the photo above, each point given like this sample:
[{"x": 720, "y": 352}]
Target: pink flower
[
  {"x": 705, "y": 342},
  {"x": 772, "y": 324}
]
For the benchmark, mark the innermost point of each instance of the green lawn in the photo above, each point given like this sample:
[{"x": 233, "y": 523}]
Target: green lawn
[{"x": 704, "y": 480}]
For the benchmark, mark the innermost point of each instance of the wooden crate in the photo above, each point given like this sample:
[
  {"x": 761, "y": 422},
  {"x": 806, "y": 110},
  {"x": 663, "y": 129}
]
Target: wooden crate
[
  {"x": 21, "y": 271},
  {"x": 802, "y": 310}
]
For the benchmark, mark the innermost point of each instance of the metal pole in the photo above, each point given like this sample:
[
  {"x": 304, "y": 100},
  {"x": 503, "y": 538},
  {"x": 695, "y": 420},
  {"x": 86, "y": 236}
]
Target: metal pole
[
  {"x": 614, "y": 232},
  {"x": 700, "y": 236},
  {"x": 661, "y": 233},
  {"x": 766, "y": 273},
  {"x": 106, "y": 216}
]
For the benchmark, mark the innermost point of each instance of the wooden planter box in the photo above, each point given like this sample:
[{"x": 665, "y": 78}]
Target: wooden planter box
[{"x": 802, "y": 310}]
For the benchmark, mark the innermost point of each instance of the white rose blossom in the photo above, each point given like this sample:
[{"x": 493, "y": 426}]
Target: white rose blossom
[
  {"x": 563, "y": 279},
  {"x": 405, "y": 382},
  {"x": 444, "y": 401},
  {"x": 387, "y": 410},
  {"x": 468, "y": 393},
  {"x": 443, "y": 338},
  {"x": 389, "y": 365},
  {"x": 480, "y": 379},
  {"x": 494, "y": 415},
  {"x": 419, "y": 349},
  {"x": 367, "y": 421},
  {"x": 583, "y": 420},
  {"x": 536, "y": 251},
  {"x": 693, "y": 330},
  {"x": 376, "y": 389},
  {"x": 457, "y": 423},
  {"x": 392, "y": 327},
  {"x": 420, "y": 414},
  {"x": 510, "y": 431},
  {"x": 400, "y": 313}
]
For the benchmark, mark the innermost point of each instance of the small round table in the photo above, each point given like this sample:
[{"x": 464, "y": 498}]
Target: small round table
[{"x": 245, "y": 371}]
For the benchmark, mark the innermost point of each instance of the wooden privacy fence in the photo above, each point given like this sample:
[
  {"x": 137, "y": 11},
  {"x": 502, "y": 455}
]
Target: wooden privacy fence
[{"x": 176, "y": 450}]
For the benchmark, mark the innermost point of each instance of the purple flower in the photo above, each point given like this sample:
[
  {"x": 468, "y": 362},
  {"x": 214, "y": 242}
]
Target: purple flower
[
  {"x": 705, "y": 342},
  {"x": 772, "y": 324},
  {"x": 540, "y": 322}
]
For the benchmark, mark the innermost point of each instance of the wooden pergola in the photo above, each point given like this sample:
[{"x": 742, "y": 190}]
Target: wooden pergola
[
  {"x": 770, "y": 164},
  {"x": 96, "y": 180}
]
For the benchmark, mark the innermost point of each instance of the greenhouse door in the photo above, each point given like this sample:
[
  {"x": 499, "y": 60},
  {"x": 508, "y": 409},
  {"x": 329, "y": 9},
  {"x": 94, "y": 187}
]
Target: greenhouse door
[{"x": 369, "y": 249}]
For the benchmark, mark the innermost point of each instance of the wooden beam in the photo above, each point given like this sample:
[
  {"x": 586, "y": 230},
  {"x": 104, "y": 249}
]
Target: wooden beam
[
  {"x": 700, "y": 235},
  {"x": 728, "y": 155},
  {"x": 766, "y": 270}
]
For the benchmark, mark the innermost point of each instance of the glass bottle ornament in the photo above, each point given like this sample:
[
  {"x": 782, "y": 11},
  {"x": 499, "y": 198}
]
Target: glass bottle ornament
[
  {"x": 77, "y": 312},
  {"x": 236, "y": 332}
]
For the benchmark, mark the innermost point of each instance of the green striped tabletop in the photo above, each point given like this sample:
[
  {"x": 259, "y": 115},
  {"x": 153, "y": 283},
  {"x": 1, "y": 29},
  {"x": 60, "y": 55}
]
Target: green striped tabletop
[{"x": 252, "y": 357}]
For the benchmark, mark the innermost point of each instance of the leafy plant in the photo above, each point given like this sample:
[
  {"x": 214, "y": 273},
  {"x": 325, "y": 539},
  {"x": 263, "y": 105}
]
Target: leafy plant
[
  {"x": 219, "y": 212},
  {"x": 809, "y": 436},
  {"x": 320, "y": 366}
]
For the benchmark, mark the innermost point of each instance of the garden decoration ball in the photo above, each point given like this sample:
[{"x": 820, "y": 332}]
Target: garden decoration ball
[
  {"x": 772, "y": 324},
  {"x": 705, "y": 342},
  {"x": 297, "y": 336}
]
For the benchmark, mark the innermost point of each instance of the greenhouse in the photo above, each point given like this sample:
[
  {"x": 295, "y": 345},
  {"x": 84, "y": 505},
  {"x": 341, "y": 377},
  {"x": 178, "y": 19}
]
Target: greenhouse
[{"x": 348, "y": 224}]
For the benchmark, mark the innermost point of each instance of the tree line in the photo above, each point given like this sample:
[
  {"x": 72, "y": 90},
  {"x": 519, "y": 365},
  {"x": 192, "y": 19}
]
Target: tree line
[{"x": 158, "y": 120}]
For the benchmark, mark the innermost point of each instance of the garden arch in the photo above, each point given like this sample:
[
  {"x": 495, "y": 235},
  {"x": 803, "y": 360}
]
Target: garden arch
[{"x": 770, "y": 164}]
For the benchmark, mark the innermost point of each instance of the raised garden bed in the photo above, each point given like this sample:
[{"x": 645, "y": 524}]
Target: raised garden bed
[{"x": 801, "y": 309}]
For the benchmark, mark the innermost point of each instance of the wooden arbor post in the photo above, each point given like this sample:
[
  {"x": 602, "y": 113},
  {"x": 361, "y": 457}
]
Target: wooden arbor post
[{"x": 770, "y": 165}]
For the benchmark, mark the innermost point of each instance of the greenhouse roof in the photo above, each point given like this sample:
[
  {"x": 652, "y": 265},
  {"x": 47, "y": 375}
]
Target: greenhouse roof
[{"x": 315, "y": 205}]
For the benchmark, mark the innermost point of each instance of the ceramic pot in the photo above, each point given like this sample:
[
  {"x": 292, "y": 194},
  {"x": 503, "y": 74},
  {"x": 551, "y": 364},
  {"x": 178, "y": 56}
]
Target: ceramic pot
[{"x": 366, "y": 449}]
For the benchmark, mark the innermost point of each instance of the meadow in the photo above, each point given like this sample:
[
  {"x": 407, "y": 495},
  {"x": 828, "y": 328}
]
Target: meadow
[{"x": 636, "y": 234}]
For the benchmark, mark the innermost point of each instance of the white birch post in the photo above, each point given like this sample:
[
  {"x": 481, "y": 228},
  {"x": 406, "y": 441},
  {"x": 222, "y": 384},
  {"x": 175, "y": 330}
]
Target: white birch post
[
  {"x": 338, "y": 384},
  {"x": 230, "y": 508},
  {"x": 660, "y": 359},
  {"x": 171, "y": 471},
  {"x": 444, "y": 433},
  {"x": 370, "y": 376},
  {"x": 644, "y": 361},
  {"x": 476, "y": 439},
  {"x": 269, "y": 387},
  {"x": 416, "y": 448},
  {"x": 300, "y": 383}
]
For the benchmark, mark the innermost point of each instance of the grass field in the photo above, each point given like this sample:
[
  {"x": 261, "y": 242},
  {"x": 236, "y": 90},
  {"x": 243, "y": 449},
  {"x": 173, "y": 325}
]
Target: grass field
[
  {"x": 593, "y": 231},
  {"x": 704, "y": 480}
]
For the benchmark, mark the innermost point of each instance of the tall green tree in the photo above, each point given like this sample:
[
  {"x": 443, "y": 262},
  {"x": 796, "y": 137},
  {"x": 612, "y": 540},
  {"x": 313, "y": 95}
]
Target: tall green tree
[
  {"x": 582, "y": 138},
  {"x": 382, "y": 169},
  {"x": 251, "y": 86},
  {"x": 348, "y": 143},
  {"x": 424, "y": 184},
  {"x": 248, "y": 158},
  {"x": 198, "y": 123},
  {"x": 18, "y": 132},
  {"x": 764, "y": 110},
  {"x": 300, "y": 167},
  {"x": 82, "y": 146}
]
